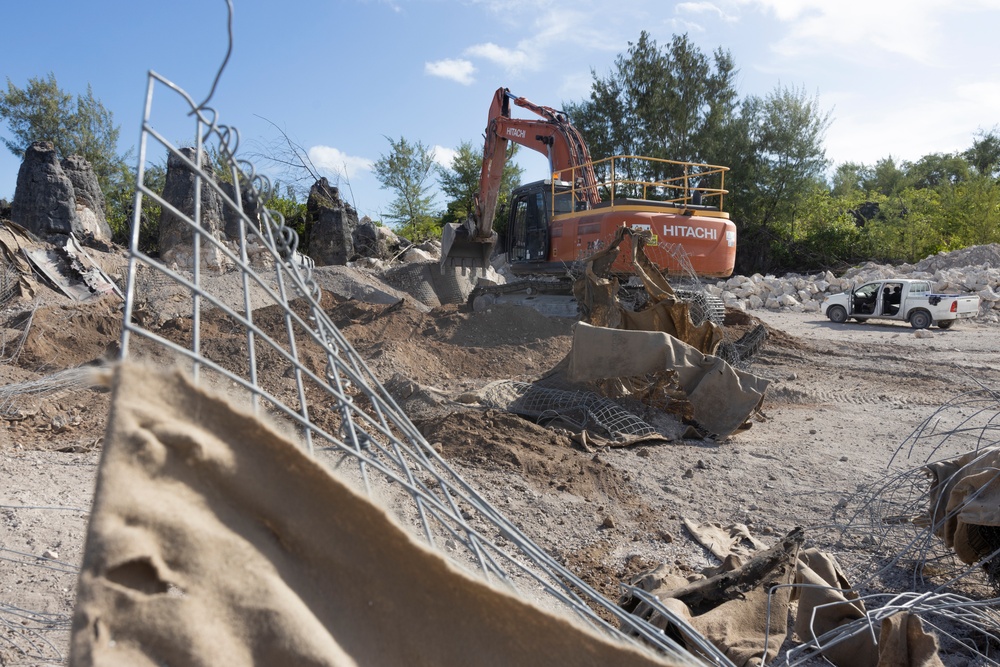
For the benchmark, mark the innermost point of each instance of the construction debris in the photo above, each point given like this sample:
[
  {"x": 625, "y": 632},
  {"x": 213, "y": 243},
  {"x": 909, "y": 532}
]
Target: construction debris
[{"x": 743, "y": 607}]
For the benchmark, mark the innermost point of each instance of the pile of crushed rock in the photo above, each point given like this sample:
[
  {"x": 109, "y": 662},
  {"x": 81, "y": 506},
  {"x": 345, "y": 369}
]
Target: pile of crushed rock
[{"x": 975, "y": 269}]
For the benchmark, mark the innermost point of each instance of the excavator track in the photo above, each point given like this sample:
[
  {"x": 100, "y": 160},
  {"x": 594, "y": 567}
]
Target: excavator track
[{"x": 534, "y": 292}]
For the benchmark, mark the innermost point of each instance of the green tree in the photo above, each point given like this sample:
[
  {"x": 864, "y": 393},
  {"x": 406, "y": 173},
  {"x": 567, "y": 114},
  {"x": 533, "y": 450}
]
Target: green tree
[
  {"x": 850, "y": 177},
  {"x": 406, "y": 170},
  {"x": 669, "y": 102},
  {"x": 294, "y": 212},
  {"x": 82, "y": 126},
  {"x": 936, "y": 169},
  {"x": 971, "y": 212},
  {"x": 825, "y": 234},
  {"x": 777, "y": 158},
  {"x": 905, "y": 229},
  {"x": 460, "y": 181},
  {"x": 887, "y": 177},
  {"x": 984, "y": 154},
  {"x": 119, "y": 197}
]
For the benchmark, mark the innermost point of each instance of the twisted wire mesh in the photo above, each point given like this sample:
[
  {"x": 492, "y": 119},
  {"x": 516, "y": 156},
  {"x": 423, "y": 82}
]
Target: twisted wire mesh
[
  {"x": 907, "y": 566},
  {"x": 71, "y": 378},
  {"x": 902, "y": 519},
  {"x": 582, "y": 409},
  {"x": 260, "y": 326}
]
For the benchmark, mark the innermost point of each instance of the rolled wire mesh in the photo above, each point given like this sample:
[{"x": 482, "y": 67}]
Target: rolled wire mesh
[
  {"x": 901, "y": 517},
  {"x": 71, "y": 378},
  {"x": 581, "y": 409},
  {"x": 260, "y": 326},
  {"x": 962, "y": 625}
]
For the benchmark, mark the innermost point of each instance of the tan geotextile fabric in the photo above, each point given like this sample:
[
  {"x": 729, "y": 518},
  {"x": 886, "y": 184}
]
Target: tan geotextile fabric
[
  {"x": 724, "y": 541},
  {"x": 965, "y": 494},
  {"x": 903, "y": 642},
  {"x": 214, "y": 540},
  {"x": 673, "y": 317},
  {"x": 825, "y": 602},
  {"x": 736, "y": 627},
  {"x": 721, "y": 396}
]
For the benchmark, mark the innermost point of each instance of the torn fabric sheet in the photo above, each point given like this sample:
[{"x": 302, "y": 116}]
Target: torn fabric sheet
[
  {"x": 215, "y": 540},
  {"x": 722, "y": 397}
]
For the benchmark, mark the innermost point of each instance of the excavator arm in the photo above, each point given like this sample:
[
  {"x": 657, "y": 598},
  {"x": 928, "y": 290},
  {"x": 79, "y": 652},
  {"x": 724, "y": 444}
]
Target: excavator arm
[{"x": 471, "y": 243}]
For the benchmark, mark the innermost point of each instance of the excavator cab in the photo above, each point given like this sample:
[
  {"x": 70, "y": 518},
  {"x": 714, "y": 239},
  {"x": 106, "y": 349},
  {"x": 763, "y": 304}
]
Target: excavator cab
[{"x": 527, "y": 235}]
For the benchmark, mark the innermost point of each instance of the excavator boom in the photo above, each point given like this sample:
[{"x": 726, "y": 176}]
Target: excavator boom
[{"x": 471, "y": 243}]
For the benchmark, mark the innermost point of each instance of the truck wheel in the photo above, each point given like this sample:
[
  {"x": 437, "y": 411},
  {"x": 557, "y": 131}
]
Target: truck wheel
[
  {"x": 837, "y": 314},
  {"x": 945, "y": 324},
  {"x": 920, "y": 319}
]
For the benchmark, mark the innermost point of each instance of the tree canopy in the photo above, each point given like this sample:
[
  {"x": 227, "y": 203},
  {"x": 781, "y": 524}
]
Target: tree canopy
[
  {"x": 406, "y": 170},
  {"x": 460, "y": 181},
  {"x": 41, "y": 111},
  {"x": 671, "y": 102}
]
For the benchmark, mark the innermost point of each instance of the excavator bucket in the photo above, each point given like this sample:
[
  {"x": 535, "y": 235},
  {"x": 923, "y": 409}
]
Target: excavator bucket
[{"x": 460, "y": 248}]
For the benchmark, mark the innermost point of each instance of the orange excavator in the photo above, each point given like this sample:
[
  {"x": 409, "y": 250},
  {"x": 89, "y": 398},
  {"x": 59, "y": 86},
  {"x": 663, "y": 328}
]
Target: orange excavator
[{"x": 556, "y": 222}]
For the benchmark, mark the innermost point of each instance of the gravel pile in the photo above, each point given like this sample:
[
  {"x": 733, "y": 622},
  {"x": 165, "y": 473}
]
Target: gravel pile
[{"x": 975, "y": 269}]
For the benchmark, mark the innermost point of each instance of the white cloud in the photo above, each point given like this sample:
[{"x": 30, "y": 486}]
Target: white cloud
[
  {"x": 444, "y": 156},
  {"x": 702, "y": 8},
  {"x": 907, "y": 28},
  {"x": 509, "y": 59},
  {"x": 336, "y": 161},
  {"x": 455, "y": 69}
]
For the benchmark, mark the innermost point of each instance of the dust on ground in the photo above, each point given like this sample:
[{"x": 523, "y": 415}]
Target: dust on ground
[{"x": 842, "y": 399}]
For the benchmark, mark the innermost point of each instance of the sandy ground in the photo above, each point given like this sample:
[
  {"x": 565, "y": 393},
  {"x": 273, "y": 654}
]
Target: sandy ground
[{"x": 842, "y": 399}]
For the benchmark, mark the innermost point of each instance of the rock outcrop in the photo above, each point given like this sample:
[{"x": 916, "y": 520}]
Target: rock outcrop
[
  {"x": 176, "y": 232},
  {"x": 44, "y": 198},
  {"x": 251, "y": 209},
  {"x": 91, "y": 217},
  {"x": 330, "y": 226},
  {"x": 59, "y": 198}
]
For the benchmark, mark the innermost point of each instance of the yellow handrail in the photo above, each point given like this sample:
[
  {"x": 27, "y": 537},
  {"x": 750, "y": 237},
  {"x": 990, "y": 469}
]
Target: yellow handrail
[{"x": 673, "y": 190}]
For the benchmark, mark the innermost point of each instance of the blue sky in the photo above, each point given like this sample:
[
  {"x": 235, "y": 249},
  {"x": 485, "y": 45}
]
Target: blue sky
[{"x": 901, "y": 77}]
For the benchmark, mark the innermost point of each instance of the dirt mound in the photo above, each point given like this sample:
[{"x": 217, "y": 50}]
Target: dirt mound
[
  {"x": 502, "y": 441},
  {"x": 63, "y": 336},
  {"x": 449, "y": 343}
]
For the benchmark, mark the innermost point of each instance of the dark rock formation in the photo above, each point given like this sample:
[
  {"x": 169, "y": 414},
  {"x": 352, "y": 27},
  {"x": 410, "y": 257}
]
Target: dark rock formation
[
  {"x": 4, "y": 209},
  {"x": 251, "y": 208},
  {"x": 330, "y": 225},
  {"x": 91, "y": 219},
  {"x": 44, "y": 200},
  {"x": 176, "y": 242},
  {"x": 368, "y": 242}
]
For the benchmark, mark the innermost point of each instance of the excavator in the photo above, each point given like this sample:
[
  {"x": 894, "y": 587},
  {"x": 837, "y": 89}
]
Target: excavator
[{"x": 554, "y": 223}]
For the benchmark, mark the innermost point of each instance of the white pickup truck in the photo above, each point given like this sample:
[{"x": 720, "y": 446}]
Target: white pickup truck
[{"x": 901, "y": 299}]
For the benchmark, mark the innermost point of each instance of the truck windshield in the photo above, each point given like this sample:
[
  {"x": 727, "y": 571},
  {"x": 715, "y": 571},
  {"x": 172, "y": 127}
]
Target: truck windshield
[{"x": 868, "y": 290}]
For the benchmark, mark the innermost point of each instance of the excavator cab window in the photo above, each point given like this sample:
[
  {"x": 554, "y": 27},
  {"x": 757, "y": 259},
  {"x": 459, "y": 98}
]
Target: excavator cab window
[{"x": 529, "y": 229}]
